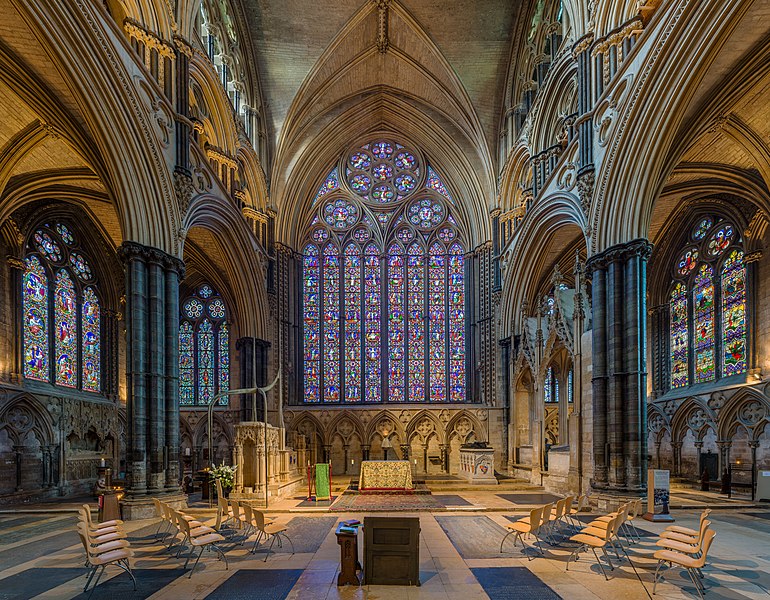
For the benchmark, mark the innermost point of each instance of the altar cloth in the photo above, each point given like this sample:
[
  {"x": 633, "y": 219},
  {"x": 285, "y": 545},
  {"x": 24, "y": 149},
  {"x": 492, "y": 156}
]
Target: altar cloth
[{"x": 385, "y": 475}]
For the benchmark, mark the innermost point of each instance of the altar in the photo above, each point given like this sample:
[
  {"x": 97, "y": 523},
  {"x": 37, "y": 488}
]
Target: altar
[{"x": 383, "y": 475}]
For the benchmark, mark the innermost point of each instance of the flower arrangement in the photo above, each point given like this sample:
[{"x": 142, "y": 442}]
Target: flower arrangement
[{"x": 225, "y": 474}]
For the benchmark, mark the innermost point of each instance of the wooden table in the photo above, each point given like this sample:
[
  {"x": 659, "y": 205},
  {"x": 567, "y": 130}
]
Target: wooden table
[
  {"x": 348, "y": 542},
  {"x": 385, "y": 475}
]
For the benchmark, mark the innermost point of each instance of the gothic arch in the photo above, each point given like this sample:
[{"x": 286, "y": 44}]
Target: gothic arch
[
  {"x": 423, "y": 425},
  {"x": 747, "y": 408},
  {"x": 657, "y": 423},
  {"x": 383, "y": 421},
  {"x": 462, "y": 424},
  {"x": 245, "y": 290},
  {"x": 649, "y": 105},
  {"x": 336, "y": 425},
  {"x": 302, "y": 417},
  {"x": 694, "y": 415},
  {"x": 25, "y": 414},
  {"x": 128, "y": 151}
]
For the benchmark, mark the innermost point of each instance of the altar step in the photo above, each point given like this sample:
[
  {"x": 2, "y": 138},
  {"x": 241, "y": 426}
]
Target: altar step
[{"x": 451, "y": 483}]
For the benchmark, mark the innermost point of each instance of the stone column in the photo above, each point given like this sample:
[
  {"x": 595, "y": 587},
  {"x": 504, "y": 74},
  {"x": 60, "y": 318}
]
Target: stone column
[
  {"x": 724, "y": 454},
  {"x": 445, "y": 458},
  {"x": 404, "y": 451},
  {"x": 245, "y": 348},
  {"x": 365, "y": 451},
  {"x": 18, "y": 454},
  {"x": 152, "y": 349},
  {"x": 619, "y": 365},
  {"x": 173, "y": 475}
]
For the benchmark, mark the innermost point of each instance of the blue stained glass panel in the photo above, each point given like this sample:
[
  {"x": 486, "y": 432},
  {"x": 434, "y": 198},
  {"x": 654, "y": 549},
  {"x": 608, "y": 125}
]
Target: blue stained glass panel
[{"x": 35, "y": 309}]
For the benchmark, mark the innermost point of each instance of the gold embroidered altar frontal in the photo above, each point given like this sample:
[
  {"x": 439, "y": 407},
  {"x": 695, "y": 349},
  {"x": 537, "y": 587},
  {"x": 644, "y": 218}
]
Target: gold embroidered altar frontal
[{"x": 385, "y": 475}]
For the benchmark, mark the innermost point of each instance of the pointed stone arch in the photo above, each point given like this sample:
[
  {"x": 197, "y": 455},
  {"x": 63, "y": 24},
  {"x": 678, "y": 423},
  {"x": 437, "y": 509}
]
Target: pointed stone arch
[
  {"x": 385, "y": 421},
  {"x": 345, "y": 424},
  {"x": 23, "y": 415},
  {"x": 747, "y": 408},
  {"x": 424, "y": 425},
  {"x": 462, "y": 424},
  {"x": 692, "y": 415}
]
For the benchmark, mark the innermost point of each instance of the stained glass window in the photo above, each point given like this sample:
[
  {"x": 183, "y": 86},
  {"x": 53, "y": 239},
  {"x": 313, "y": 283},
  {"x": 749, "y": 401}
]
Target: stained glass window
[
  {"x": 90, "y": 320},
  {"x": 331, "y": 324},
  {"x": 551, "y": 387},
  {"x": 734, "y": 314},
  {"x": 396, "y": 338},
  {"x": 204, "y": 348},
  {"x": 35, "y": 308},
  {"x": 312, "y": 324},
  {"x": 384, "y": 284},
  {"x": 703, "y": 317},
  {"x": 680, "y": 339},
  {"x": 707, "y": 343},
  {"x": 61, "y": 320},
  {"x": 352, "y": 323},
  {"x": 570, "y": 386}
]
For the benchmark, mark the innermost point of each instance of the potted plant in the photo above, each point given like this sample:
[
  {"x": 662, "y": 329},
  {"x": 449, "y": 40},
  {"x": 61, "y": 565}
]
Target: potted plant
[{"x": 226, "y": 476}]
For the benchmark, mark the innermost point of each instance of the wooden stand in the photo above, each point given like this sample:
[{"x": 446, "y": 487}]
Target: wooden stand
[
  {"x": 349, "y": 564},
  {"x": 109, "y": 508}
]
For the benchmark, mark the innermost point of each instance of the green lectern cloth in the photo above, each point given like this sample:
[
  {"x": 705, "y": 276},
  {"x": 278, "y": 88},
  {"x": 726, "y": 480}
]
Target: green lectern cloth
[{"x": 322, "y": 485}]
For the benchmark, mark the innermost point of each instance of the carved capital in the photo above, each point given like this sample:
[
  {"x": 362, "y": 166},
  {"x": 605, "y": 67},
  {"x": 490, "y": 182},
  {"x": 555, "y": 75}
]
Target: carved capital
[{"x": 183, "y": 186}]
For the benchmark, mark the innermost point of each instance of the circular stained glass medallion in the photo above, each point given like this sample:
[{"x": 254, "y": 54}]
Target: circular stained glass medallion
[
  {"x": 193, "y": 308},
  {"x": 47, "y": 246},
  {"x": 217, "y": 308},
  {"x": 360, "y": 182},
  {"x": 65, "y": 233},
  {"x": 720, "y": 240},
  {"x": 702, "y": 228},
  {"x": 80, "y": 265},
  {"x": 425, "y": 213},
  {"x": 687, "y": 261},
  {"x": 383, "y": 193},
  {"x": 340, "y": 214}
]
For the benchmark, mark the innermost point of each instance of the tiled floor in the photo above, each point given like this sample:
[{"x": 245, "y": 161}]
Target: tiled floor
[{"x": 42, "y": 558}]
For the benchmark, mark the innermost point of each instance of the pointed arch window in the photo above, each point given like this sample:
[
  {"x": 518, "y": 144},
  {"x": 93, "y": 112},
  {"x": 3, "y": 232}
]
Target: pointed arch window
[
  {"x": 707, "y": 307},
  {"x": 383, "y": 283},
  {"x": 204, "y": 348},
  {"x": 61, "y": 312}
]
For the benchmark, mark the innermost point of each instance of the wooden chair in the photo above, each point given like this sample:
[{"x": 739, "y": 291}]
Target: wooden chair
[
  {"x": 185, "y": 525},
  {"x": 679, "y": 530},
  {"x": 199, "y": 538},
  {"x": 273, "y": 532},
  {"x": 582, "y": 503},
  {"x": 99, "y": 555},
  {"x": 692, "y": 564},
  {"x": 102, "y": 525},
  {"x": 585, "y": 540},
  {"x": 525, "y": 526},
  {"x": 224, "y": 511},
  {"x": 686, "y": 544},
  {"x": 559, "y": 512}
]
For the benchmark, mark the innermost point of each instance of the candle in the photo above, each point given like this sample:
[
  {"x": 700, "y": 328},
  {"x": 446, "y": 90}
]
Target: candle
[{"x": 103, "y": 463}]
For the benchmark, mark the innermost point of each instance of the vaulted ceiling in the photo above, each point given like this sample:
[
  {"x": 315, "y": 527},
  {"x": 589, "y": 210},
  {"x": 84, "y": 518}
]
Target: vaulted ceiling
[{"x": 328, "y": 81}]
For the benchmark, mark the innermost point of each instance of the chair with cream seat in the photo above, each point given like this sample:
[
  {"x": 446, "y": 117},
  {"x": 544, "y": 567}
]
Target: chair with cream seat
[
  {"x": 525, "y": 526},
  {"x": 185, "y": 525},
  {"x": 686, "y": 544},
  {"x": 690, "y": 563},
  {"x": 273, "y": 531},
  {"x": 572, "y": 511},
  {"x": 103, "y": 555},
  {"x": 112, "y": 523},
  {"x": 203, "y": 538},
  {"x": 676, "y": 530},
  {"x": 600, "y": 540},
  {"x": 607, "y": 530}
]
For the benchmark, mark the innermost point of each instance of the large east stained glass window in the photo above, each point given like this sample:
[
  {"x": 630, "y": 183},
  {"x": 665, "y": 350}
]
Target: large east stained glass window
[
  {"x": 61, "y": 338},
  {"x": 204, "y": 348},
  {"x": 707, "y": 307},
  {"x": 383, "y": 283}
]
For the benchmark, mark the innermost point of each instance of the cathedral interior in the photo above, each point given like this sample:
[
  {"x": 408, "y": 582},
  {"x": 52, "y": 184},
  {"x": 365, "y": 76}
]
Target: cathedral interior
[{"x": 415, "y": 224}]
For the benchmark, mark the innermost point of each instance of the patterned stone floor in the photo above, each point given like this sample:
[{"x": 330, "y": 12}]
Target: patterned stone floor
[{"x": 40, "y": 557}]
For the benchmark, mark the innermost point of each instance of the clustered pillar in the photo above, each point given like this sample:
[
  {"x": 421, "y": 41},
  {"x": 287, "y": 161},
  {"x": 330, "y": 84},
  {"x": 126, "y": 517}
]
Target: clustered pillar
[
  {"x": 152, "y": 357},
  {"x": 619, "y": 287}
]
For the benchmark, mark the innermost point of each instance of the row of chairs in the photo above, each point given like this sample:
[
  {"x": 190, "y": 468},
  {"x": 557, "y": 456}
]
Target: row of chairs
[
  {"x": 686, "y": 548},
  {"x": 546, "y": 522},
  {"x": 608, "y": 531},
  {"x": 250, "y": 521},
  {"x": 105, "y": 544},
  {"x": 192, "y": 532}
]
